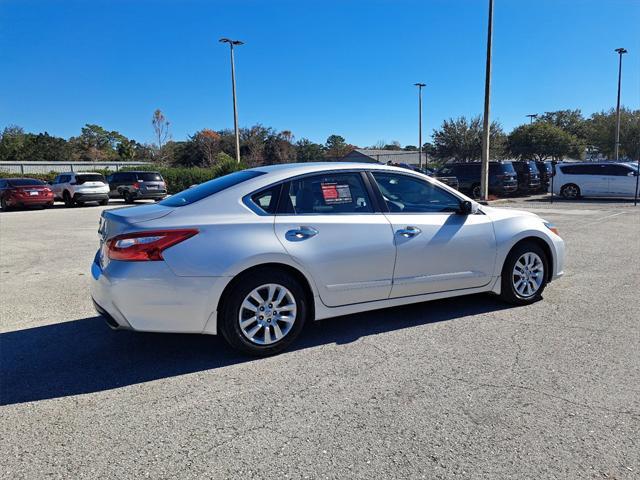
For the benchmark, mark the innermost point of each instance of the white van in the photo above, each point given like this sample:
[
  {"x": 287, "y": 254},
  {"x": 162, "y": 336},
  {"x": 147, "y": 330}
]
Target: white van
[{"x": 594, "y": 179}]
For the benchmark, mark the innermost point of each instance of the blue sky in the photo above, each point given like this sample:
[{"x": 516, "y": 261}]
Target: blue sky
[{"x": 312, "y": 67}]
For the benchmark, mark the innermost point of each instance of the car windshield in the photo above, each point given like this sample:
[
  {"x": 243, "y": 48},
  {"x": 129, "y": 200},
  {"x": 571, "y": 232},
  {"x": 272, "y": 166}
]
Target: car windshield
[
  {"x": 149, "y": 177},
  {"x": 24, "y": 182},
  {"x": 89, "y": 177},
  {"x": 191, "y": 195}
]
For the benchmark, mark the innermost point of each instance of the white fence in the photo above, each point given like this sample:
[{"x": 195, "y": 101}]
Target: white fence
[{"x": 46, "y": 167}]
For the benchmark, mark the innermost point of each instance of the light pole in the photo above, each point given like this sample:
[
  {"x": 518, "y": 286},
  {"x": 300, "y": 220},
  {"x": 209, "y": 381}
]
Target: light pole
[
  {"x": 532, "y": 116},
  {"x": 420, "y": 85},
  {"x": 233, "y": 43},
  {"x": 621, "y": 51},
  {"x": 484, "y": 178}
]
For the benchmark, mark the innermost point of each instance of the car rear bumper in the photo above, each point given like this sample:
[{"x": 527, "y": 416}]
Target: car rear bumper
[
  {"x": 29, "y": 201},
  {"x": 90, "y": 197},
  {"x": 150, "y": 195},
  {"x": 505, "y": 189},
  {"x": 148, "y": 296}
]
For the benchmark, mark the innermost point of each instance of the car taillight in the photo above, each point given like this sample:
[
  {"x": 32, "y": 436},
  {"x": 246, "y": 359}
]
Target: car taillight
[
  {"x": 136, "y": 185},
  {"x": 146, "y": 246}
]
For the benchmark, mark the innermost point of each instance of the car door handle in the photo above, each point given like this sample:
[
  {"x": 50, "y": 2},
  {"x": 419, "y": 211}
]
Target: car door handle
[
  {"x": 301, "y": 233},
  {"x": 409, "y": 231}
]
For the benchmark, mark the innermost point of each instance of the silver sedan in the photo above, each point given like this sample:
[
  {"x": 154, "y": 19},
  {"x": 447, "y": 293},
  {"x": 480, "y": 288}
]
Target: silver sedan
[{"x": 255, "y": 254}]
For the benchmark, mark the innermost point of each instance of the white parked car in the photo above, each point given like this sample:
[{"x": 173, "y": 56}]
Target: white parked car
[
  {"x": 255, "y": 254},
  {"x": 79, "y": 188},
  {"x": 595, "y": 179}
]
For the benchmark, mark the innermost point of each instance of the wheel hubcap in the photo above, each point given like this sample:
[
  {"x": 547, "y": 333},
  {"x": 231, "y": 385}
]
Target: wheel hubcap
[
  {"x": 528, "y": 274},
  {"x": 267, "y": 314},
  {"x": 570, "y": 192}
]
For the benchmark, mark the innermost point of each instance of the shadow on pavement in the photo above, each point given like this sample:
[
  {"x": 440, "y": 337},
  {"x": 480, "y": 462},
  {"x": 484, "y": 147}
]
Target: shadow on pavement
[{"x": 84, "y": 356}]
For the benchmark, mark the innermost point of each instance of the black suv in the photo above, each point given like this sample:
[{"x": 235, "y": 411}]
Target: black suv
[
  {"x": 546, "y": 172},
  {"x": 134, "y": 186},
  {"x": 528, "y": 176},
  {"x": 502, "y": 177}
]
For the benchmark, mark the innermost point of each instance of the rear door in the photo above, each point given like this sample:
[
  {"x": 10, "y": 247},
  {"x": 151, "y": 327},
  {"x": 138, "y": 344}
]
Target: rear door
[
  {"x": 150, "y": 182},
  {"x": 437, "y": 248},
  {"x": 329, "y": 225}
]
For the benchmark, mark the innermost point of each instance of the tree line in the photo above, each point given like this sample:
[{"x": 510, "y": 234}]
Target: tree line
[{"x": 553, "y": 135}]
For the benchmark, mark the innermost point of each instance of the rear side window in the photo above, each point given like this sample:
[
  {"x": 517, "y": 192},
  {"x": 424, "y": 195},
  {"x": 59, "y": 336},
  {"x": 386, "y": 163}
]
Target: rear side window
[
  {"x": 149, "y": 177},
  {"x": 326, "y": 194},
  {"x": 267, "y": 200},
  {"x": 206, "y": 189},
  {"x": 89, "y": 177}
]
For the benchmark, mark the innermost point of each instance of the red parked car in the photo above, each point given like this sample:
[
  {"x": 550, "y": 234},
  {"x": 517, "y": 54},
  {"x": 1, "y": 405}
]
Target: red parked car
[{"x": 24, "y": 192}]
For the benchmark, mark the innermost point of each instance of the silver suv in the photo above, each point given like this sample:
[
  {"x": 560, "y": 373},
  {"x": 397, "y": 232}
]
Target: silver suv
[{"x": 79, "y": 188}]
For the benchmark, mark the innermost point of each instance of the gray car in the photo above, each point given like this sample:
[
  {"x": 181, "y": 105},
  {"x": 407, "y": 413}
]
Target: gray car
[
  {"x": 255, "y": 254},
  {"x": 132, "y": 186}
]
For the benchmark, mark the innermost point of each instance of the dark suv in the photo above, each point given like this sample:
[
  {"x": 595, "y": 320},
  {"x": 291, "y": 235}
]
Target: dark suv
[
  {"x": 546, "y": 172},
  {"x": 134, "y": 186},
  {"x": 528, "y": 176},
  {"x": 502, "y": 177}
]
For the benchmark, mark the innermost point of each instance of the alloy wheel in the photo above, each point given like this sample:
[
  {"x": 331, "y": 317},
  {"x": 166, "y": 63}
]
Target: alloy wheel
[
  {"x": 570, "y": 191},
  {"x": 267, "y": 314},
  {"x": 528, "y": 274}
]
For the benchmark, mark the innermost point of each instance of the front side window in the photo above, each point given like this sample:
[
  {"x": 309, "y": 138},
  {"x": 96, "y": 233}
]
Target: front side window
[
  {"x": 405, "y": 194},
  {"x": 615, "y": 170},
  {"x": 331, "y": 193}
]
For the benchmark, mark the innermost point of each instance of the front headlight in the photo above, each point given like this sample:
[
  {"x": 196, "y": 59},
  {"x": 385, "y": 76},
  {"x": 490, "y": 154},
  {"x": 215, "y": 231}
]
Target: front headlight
[{"x": 552, "y": 227}]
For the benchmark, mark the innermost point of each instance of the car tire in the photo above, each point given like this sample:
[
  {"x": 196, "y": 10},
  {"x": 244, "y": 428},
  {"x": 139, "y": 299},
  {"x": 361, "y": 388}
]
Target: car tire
[
  {"x": 104, "y": 202},
  {"x": 570, "y": 191},
  {"x": 4, "y": 206},
  {"x": 524, "y": 274},
  {"x": 241, "y": 314},
  {"x": 128, "y": 198},
  {"x": 475, "y": 191},
  {"x": 68, "y": 200}
]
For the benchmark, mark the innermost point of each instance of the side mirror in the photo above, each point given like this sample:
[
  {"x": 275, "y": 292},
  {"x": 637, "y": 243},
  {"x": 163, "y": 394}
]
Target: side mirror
[{"x": 466, "y": 208}]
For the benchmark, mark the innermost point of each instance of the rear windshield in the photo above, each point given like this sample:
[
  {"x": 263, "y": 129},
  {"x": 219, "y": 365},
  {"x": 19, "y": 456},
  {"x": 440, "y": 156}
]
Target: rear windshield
[
  {"x": 89, "y": 177},
  {"x": 191, "y": 195},
  {"x": 149, "y": 177},
  {"x": 24, "y": 182},
  {"x": 501, "y": 168}
]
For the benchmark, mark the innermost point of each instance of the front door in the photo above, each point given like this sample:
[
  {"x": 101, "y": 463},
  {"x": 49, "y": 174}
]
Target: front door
[
  {"x": 329, "y": 226},
  {"x": 438, "y": 249},
  {"x": 622, "y": 182}
]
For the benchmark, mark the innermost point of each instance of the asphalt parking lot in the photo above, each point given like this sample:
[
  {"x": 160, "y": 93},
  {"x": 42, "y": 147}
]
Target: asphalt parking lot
[{"x": 460, "y": 388}]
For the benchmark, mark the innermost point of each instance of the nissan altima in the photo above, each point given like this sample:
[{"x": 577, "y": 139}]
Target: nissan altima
[{"x": 255, "y": 254}]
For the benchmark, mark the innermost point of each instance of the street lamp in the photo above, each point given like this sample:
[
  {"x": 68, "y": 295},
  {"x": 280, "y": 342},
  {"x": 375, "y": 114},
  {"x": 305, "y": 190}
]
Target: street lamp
[
  {"x": 484, "y": 177},
  {"x": 621, "y": 51},
  {"x": 233, "y": 43},
  {"x": 532, "y": 116},
  {"x": 420, "y": 85}
]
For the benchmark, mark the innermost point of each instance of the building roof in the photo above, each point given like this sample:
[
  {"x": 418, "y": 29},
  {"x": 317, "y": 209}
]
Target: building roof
[{"x": 384, "y": 156}]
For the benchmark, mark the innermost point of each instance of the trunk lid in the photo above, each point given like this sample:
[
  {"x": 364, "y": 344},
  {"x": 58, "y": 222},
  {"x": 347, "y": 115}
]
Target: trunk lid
[{"x": 121, "y": 220}]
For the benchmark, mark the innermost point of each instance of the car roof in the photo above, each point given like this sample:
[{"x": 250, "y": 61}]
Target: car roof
[{"x": 291, "y": 169}]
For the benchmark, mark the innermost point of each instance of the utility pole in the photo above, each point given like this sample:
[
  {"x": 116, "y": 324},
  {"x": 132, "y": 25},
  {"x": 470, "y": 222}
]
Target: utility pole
[
  {"x": 233, "y": 43},
  {"x": 621, "y": 51},
  {"x": 531, "y": 117},
  {"x": 420, "y": 86},
  {"x": 484, "y": 178}
]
